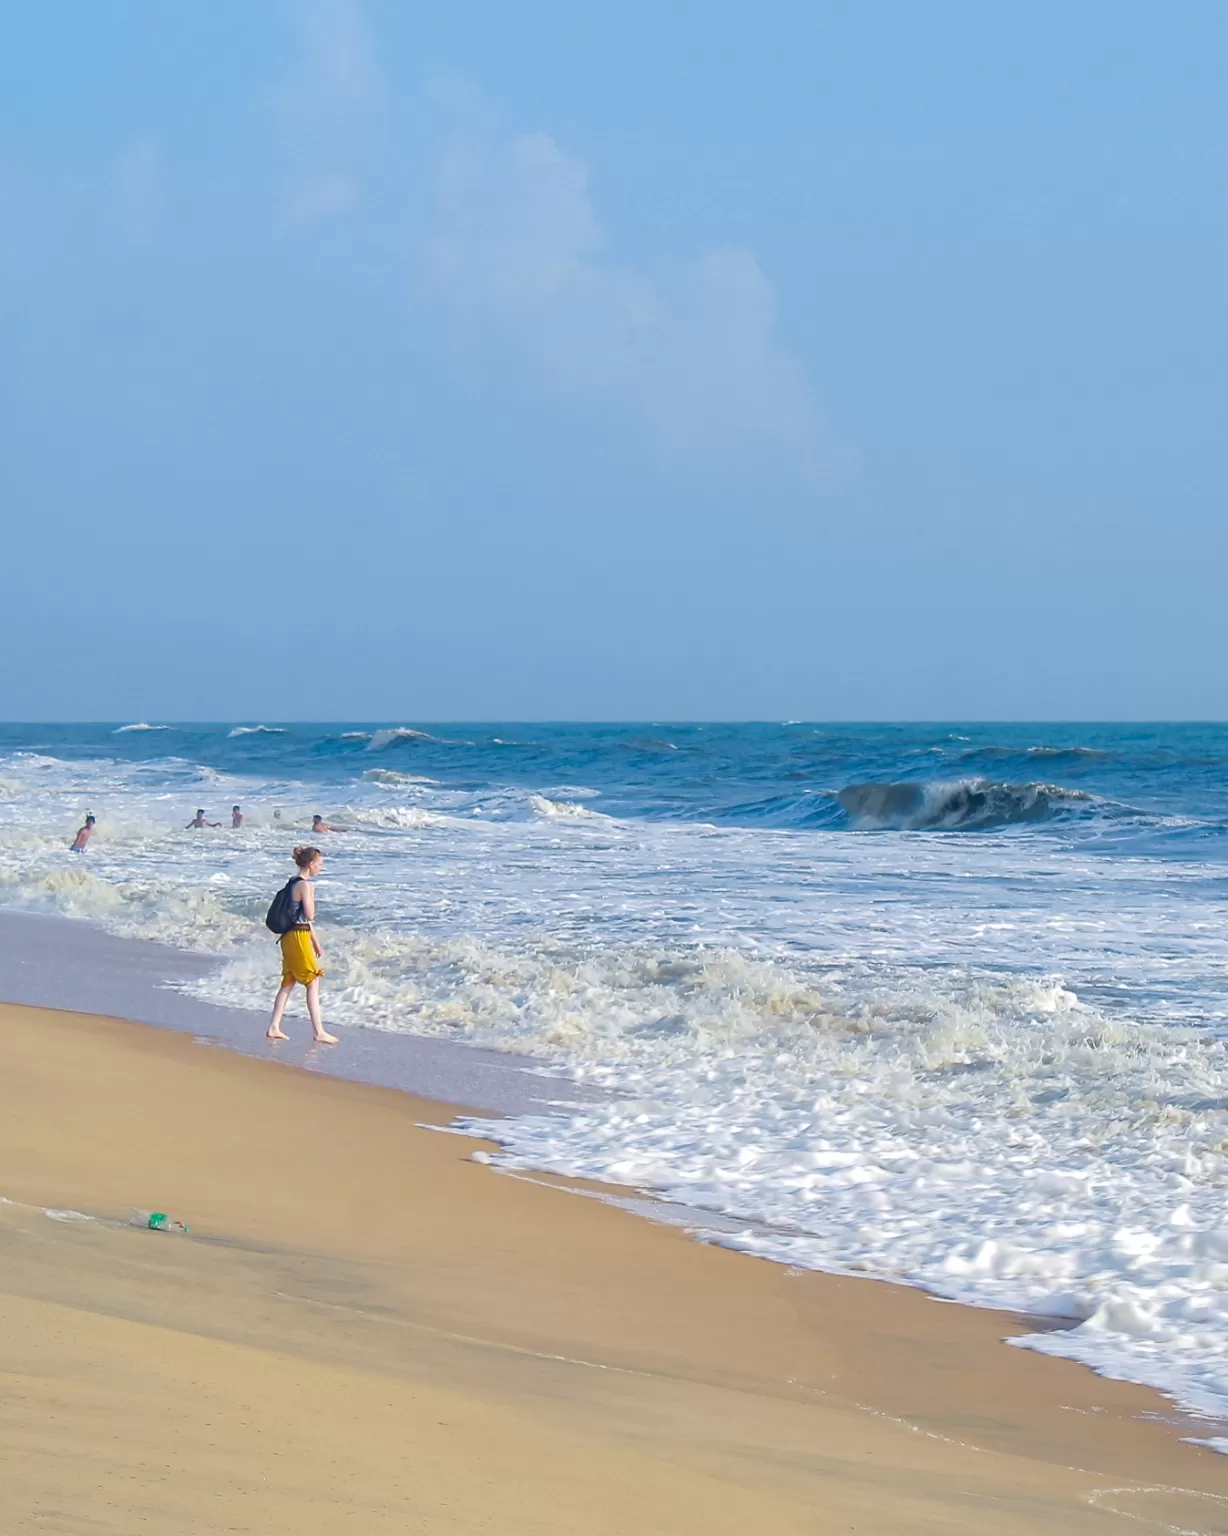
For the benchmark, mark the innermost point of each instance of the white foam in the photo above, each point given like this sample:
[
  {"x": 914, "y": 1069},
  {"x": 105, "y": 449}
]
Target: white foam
[
  {"x": 560, "y": 808},
  {"x": 1006, "y": 1146},
  {"x": 391, "y": 777},
  {"x": 386, "y": 738},
  {"x": 404, "y": 818},
  {"x": 258, "y": 730},
  {"x": 979, "y": 1068},
  {"x": 141, "y": 725}
]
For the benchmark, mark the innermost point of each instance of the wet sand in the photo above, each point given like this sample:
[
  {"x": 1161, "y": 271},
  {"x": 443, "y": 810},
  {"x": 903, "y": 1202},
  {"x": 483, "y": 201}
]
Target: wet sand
[
  {"x": 69, "y": 963},
  {"x": 367, "y": 1331}
]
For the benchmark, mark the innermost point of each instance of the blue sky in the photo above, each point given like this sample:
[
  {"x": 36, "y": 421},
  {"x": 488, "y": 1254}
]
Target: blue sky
[{"x": 365, "y": 360}]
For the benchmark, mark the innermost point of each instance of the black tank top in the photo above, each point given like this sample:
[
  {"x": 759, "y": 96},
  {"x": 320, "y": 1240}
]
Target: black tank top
[{"x": 299, "y": 920}]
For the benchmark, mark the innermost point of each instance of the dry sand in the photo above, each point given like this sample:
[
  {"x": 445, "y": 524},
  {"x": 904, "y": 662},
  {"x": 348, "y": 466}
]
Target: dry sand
[{"x": 367, "y": 1332}]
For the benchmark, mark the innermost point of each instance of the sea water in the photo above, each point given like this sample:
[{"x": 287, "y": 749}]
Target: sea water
[{"x": 942, "y": 1004}]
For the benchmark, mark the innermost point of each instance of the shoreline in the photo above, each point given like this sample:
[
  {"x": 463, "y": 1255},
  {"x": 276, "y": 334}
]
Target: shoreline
[
  {"x": 77, "y": 965},
  {"x": 138, "y": 980},
  {"x": 607, "y": 1369}
]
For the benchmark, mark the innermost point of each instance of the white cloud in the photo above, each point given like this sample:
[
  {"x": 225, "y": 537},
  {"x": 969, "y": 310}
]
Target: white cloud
[
  {"x": 328, "y": 110},
  {"x": 341, "y": 67},
  {"x": 686, "y": 352}
]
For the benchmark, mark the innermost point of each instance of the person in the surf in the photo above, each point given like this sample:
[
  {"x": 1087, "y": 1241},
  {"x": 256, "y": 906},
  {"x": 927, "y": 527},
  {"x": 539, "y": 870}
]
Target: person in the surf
[
  {"x": 236, "y": 816},
  {"x": 318, "y": 824},
  {"x": 83, "y": 835},
  {"x": 199, "y": 821},
  {"x": 300, "y": 950}
]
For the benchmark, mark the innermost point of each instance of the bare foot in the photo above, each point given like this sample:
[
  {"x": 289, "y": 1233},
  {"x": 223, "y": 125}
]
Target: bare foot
[
  {"x": 324, "y": 1039},
  {"x": 277, "y": 1034}
]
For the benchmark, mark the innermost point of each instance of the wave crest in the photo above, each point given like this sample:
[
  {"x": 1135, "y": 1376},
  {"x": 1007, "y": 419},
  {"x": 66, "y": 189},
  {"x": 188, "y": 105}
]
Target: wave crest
[
  {"x": 960, "y": 804},
  {"x": 401, "y": 818},
  {"x": 390, "y": 776},
  {"x": 565, "y": 809},
  {"x": 388, "y": 738},
  {"x": 1075, "y": 756}
]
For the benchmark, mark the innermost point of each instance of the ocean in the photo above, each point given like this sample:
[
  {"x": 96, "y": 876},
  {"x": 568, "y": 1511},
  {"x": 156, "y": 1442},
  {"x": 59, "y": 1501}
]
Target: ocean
[{"x": 942, "y": 1004}]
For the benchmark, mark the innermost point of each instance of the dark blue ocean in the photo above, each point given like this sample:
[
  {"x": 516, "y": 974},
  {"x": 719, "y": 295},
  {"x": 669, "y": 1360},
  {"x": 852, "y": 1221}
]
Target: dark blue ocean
[{"x": 1166, "y": 778}]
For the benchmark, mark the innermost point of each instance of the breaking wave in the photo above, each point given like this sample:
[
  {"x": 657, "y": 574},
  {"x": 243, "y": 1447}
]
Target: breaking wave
[
  {"x": 962, "y": 804},
  {"x": 562, "y": 809},
  {"x": 391, "y": 777},
  {"x": 388, "y": 738},
  {"x": 401, "y": 818}
]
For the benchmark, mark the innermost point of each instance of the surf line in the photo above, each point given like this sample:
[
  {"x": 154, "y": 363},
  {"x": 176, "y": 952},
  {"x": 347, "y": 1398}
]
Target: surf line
[
  {"x": 1097, "y": 1495},
  {"x": 806, "y": 1389},
  {"x": 466, "y": 1338}
]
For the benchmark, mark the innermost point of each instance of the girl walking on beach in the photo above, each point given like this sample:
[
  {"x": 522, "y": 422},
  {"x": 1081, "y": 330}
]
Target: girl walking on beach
[{"x": 301, "y": 952}]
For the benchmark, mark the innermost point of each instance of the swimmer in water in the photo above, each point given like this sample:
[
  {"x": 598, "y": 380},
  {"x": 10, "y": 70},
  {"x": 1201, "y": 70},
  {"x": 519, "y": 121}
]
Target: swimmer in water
[
  {"x": 83, "y": 835},
  {"x": 236, "y": 816},
  {"x": 199, "y": 821},
  {"x": 318, "y": 824}
]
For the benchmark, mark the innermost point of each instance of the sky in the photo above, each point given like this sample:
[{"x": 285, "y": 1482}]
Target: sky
[{"x": 362, "y": 359}]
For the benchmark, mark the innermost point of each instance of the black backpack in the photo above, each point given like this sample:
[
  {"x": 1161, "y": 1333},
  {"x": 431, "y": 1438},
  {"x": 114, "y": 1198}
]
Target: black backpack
[{"x": 284, "y": 912}]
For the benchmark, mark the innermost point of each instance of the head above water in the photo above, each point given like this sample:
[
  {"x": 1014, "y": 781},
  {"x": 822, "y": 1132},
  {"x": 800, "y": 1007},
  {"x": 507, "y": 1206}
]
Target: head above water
[
  {"x": 234, "y": 807},
  {"x": 305, "y": 858},
  {"x": 89, "y": 821}
]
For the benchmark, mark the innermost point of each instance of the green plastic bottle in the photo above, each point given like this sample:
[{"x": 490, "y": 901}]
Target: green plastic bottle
[{"x": 157, "y": 1221}]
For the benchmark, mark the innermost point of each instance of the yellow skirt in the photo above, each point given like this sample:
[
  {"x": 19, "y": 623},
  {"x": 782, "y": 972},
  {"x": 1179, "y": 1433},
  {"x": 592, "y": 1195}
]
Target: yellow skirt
[{"x": 299, "y": 961}]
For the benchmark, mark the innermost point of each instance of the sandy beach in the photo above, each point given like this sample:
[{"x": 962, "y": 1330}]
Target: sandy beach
[{"x": 368, "y": 1330}]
